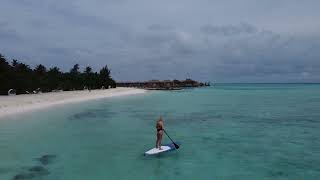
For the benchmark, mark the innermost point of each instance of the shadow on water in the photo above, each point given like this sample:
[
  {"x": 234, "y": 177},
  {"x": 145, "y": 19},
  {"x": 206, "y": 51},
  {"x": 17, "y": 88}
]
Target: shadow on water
[
  {"x": 46, "y": 159},
  {"x": 277, "y": 174},
  {"x": 37, "y": 171},
  {"x": 32, "y": 172},
  {"x": 93, "y": 114}
]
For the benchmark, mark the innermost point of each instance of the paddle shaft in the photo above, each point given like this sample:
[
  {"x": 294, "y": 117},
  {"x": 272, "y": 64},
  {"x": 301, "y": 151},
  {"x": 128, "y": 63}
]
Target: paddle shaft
[{"x": 175, "y": 145}]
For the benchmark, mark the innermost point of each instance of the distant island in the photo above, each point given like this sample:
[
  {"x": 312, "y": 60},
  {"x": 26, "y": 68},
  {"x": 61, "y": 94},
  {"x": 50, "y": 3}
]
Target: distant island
[
  {"x": 18, "y": 78},
  {"x": 164, "y": 84}
]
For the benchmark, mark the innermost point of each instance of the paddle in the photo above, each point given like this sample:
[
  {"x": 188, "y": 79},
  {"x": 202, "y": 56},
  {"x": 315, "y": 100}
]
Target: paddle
[{"x": 175, "y": 145}]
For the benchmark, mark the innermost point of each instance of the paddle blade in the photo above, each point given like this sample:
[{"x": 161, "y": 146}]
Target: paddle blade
[{"x": 176, "y": 145}]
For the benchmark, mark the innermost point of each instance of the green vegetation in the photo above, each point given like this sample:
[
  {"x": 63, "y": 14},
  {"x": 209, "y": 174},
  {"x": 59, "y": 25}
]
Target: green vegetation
[{"x": 23, "y": 79}]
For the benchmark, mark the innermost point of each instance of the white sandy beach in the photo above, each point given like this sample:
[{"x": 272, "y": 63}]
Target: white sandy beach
[{"x": 10, "y": 105}]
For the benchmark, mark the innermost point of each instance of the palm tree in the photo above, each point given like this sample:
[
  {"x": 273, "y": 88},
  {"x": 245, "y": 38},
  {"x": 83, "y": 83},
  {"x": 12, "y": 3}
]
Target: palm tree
[
  {"x": 88, "y": 77},
  {"x": 40, "y": 70},
  {"x": 54, "y": 79},
  {"x": 22, "y": 78},
  {"x": 40, "y": 79},
  {"x": 5, "y": 74},
  {"x": 105, "y": 77},
  {"x": 75, "y": 79}
]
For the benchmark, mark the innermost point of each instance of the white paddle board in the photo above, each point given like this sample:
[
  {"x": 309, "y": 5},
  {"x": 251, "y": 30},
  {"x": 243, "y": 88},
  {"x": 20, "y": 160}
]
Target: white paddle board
[{"x": 164, "y": 148}]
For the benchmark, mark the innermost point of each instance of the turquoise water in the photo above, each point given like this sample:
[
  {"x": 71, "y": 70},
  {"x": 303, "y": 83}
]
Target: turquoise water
[{"x": 229, "y": 131}]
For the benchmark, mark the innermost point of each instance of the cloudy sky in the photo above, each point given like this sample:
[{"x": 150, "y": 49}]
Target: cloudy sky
[{"x": 216, "y": 40}]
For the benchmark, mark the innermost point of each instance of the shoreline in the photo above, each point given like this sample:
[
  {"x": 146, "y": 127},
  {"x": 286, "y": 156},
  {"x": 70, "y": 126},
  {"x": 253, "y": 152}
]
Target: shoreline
[{"x": 11, "y": 105}]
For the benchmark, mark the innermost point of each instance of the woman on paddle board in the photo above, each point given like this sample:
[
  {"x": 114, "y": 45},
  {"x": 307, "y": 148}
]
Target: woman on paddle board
[{"x": 159, "y": 127}]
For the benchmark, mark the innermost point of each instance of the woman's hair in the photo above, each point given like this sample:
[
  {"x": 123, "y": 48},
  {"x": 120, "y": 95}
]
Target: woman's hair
[{"x": 159, "y": 123}]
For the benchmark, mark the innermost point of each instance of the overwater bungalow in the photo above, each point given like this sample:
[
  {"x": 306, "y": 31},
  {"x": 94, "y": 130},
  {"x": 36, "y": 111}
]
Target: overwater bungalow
[{"x": 162, "y": 85}]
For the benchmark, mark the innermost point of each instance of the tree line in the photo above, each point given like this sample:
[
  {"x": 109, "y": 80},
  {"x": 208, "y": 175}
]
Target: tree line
[{"x": 23, "y": 79}]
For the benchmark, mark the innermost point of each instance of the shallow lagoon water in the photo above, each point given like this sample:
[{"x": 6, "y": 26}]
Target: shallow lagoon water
[{"x": 229, "y": 131}]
